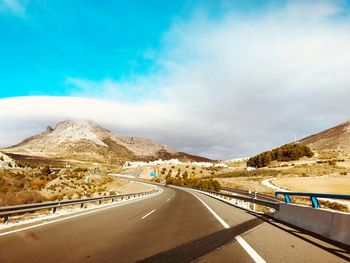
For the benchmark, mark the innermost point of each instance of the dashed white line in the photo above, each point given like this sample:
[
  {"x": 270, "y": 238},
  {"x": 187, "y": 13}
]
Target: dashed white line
[
  {"x": 148, "y": 214},
  {"x": 251, "y": 252},
  {"x": 168, "y": 200},
  {"x": 80, "y": 214},
  {"x": 73, "y": 216}
]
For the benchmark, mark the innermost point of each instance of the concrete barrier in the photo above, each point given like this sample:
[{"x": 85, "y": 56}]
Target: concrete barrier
[
  {"x": 341, "y": 228},
  {"x": 329, "y": 224}
]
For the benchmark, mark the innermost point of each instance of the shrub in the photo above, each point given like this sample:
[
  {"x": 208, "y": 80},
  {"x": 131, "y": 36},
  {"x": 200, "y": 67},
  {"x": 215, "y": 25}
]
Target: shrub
[
  {"x": 239, "y": 173},
  {"x": 46, "y": 170},
  {"x": 38, "y": 184},
  {"x": 332, "y": 162},
  {"x": 288, "y": 152},
  {"x": 195, "y": 183},
  {"x": 22, "y": 197},
  {"x": 81, "y": 169},
  {"x": 185, "y": 175}
]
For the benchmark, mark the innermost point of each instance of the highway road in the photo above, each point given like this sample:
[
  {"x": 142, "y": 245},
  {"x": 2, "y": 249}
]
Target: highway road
[{"x": 173, "y": 226}]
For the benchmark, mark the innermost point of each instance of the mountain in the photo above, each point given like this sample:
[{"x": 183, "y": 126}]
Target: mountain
[
  {"x": 87, "y": 141},
  {"x": 337, "y": 137}
]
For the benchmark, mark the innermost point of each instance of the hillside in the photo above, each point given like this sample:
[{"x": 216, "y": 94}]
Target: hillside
[
  {"x": 6, "y": 161},
  {"x": 337, "y": 137},
  {"x": 87, "y": 141}
]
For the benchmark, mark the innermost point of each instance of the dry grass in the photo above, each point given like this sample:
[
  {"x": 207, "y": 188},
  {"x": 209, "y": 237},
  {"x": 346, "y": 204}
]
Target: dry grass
[{"x": 329, "y": 185}]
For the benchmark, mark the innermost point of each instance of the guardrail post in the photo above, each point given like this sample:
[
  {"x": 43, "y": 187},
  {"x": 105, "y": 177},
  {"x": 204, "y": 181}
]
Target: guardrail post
[
  {"x": 315, "y": 203},
  {"x": 54, "y": 210},
  {"x": 5, "y": 219},
  {"x": 287, "y": 198},
  {"x": 112, "y": 200},
  {"x": 99, "y": 202},
  {"x": 81, "y": 205},
  {"x": 254, "y": 205}
]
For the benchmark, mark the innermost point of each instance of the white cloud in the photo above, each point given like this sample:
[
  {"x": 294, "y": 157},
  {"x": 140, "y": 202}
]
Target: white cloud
[
  {"x": 225, "y": 88},
  {"x": 35, "y": 113},
  {"x": 14, "y": 6}
]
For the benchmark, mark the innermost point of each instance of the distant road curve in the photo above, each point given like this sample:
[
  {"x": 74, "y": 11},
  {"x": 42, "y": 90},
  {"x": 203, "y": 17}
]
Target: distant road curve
[{"x": 267, "y": 183}]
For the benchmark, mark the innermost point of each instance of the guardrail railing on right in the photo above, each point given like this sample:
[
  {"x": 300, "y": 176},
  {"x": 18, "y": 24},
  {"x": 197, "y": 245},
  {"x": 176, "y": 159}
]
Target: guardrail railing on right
[
  {"x": 313, "y": 197},
  {"x": 274, "y": 204},
  {"x": 333, "y": 225}
]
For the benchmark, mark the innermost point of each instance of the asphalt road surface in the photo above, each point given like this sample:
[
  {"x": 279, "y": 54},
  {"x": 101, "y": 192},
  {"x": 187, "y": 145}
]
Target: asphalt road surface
[{"x": 173, "y": 226}]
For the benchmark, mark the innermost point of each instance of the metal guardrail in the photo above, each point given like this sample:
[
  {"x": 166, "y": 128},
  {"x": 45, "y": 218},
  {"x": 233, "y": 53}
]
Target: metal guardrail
[
  {"x": 250, "y": 193},
  {"x": 313, "y": 197},
  {"x": 7, "y": 211},
  {"x": 254, "y": 200}
]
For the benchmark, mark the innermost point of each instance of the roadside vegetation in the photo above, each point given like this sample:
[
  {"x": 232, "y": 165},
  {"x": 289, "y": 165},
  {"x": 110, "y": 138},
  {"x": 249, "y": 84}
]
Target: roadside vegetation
[
  {"x": 202, "y": 184},
  {"x": 40, "y": 184},
  {"x": 285, "y": 153},
  {"x": 21, "y": 187}
]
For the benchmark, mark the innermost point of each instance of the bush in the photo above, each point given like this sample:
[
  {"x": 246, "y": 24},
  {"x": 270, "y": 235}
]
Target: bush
[
  {"x": 46, "y": 170},
  {"x": 210, "y": 184},
  {"x": 332, "y": 162},
  {"x": 240, "y": 173},
  {"x": 185, "y": 175},
  {"x": 81, "y": 169},
  {"x": 38, "y": 184},
  {"x": 288, "y": 152},
  {"x": 22, "y": 197}
]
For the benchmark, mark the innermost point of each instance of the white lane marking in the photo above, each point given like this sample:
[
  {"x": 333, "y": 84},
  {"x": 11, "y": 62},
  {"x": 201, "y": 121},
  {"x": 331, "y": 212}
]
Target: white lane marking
[
  {"x": 168, "y": 200},
  {"x": 213, "y": 213},
  {"x": 148, "y": 214},
  {"x": 251, "y": 252},
  {"x": 69, "y": 217}
]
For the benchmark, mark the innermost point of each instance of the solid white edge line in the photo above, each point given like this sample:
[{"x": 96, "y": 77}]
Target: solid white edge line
[
  {"x": 148, "y": 214},
  {"x": 73, "y": 216},
  {"x": 251, "y": 252},
  {"x": 213, "y": 213}
]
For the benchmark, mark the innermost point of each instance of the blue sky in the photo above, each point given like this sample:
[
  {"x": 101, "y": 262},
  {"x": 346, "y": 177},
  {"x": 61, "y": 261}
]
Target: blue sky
[
  {"x": 52, "y": 40},
  {"x": 215, "y": 78},
  {"x": 45, "y": 42}
]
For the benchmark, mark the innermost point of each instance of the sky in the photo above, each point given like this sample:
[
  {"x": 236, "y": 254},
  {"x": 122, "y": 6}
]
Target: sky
[{"x": 222, "y": 79}]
